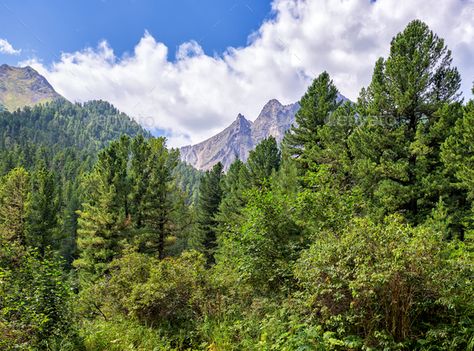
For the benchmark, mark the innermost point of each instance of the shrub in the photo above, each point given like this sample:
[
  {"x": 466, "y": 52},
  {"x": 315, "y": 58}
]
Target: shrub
[{"x": 389, "y": 283}]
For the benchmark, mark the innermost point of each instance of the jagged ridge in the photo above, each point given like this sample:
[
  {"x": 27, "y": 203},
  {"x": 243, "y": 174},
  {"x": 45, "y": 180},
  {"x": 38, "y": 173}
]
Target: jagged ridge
[{"x": 242, "y": 136}]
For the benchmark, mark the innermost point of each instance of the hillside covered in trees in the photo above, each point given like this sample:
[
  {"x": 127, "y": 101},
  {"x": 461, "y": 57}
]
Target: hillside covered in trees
[{"x": 356, "y": 233}]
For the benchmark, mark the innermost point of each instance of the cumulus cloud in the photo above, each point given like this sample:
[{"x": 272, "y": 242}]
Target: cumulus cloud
[
  {"x": 194, "y": 95},
  {"x": 7, "y": 48}
]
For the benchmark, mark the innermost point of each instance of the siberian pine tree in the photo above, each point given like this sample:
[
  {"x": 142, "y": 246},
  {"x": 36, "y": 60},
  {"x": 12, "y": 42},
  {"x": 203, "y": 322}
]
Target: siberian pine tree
[
  {"x": 105, "y": 217},
  {"x": 457, "y": 156},
  {"x": 398, "y": 111},
  {"x": 158, "y": 197},
  {"x": 43, "y": 209},
  {"x": 139, "y": 175},
  {"x": 234, "y": 184}
]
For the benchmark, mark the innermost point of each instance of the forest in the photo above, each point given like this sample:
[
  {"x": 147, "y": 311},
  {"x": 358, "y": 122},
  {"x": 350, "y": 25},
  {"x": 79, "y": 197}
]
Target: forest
[{"x": 356, "y": 233}]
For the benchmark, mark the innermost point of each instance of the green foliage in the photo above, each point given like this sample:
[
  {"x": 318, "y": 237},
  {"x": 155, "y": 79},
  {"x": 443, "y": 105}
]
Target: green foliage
[
  {"x": 403, "y": 122},
  {"x": 386, "y": 283},
  {"x": 157, "y": 201},
  {"x": 210, "y": 196},
  {"x": 13, "y": 205},
  {"x": 260, "y": 251},
  {"x": 43, "y": 208},
  {"x": 35, "y": 302},
  {"x": 264, "y": 161},
  {"x": 124, "y": 204},
  {"x": 318, "y": 102},
  {"x": 357, "y": 235},
  {"x": 119, "y": 335},
  {"x": 458, "y": 160}
]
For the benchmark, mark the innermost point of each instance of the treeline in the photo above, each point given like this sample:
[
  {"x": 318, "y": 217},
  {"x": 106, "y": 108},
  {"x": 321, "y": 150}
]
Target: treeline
[{"x": 355, "y": 234}]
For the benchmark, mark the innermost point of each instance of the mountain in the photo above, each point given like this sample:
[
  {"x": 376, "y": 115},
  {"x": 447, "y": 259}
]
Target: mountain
[
  {"x": 241, "y": 136},
  {"x": 238, "y": 139},
  {"x": 23, "y": 86},
  {"x": 274, "y": 120},
  {"x": 234, "y": 141}
]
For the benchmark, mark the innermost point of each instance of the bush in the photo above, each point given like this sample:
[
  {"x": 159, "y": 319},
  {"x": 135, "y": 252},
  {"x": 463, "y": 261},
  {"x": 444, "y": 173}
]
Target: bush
[
  {"x": 35, "y": 303},
  {"x": 391, "y": 284},
  {"x": 119, "y": 335}
]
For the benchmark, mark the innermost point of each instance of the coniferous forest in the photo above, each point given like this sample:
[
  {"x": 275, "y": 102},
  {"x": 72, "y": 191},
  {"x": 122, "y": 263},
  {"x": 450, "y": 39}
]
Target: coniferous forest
[{"x": 356, "y": 233}]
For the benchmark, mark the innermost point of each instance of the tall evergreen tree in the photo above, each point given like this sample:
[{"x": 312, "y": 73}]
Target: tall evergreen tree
[
  {"x": 14, "y": 190},
  {"x": 263, "y": 161},
  {"x": 42, "y": 227},
  {"x": 105, "y": 215},
  {"x": 139, "y": 176},
  {"x": 398, "y": 111},
  {"x": 235, "y": 182},
  {"x": 210, "y": 196},
  {"x": 458, "y": 158},
  {"x": 319, "y": 101},
  {"x": 158, "y": 199}
]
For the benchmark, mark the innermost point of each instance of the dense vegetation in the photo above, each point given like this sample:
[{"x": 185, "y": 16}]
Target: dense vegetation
[{"x": 355, "y": 234}]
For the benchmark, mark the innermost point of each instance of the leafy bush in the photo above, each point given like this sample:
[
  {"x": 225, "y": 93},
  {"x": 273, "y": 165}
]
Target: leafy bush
[
  {"x": 390, "y": 284},
  {"x": 35, "y": 302}
]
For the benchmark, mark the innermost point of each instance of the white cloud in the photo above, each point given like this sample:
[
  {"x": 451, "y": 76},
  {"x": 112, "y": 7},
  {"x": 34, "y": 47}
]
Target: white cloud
[
  {"x": 196, "y": 95},
  {"x": 7, "y": 48}
]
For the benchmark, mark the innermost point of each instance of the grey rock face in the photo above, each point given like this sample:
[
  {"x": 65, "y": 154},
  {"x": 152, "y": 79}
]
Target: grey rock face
[{"x": 241, "y": 136}]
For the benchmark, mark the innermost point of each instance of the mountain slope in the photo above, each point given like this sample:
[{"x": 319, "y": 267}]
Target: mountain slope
[
  {"x": 59, "y": 128},
  {"x": 23, "y": 86}
]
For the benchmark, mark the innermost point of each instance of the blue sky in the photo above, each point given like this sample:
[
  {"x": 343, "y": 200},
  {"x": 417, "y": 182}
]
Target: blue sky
[
  {"x": 44, "y": 29},
  {"x": 187, "y": 68}
]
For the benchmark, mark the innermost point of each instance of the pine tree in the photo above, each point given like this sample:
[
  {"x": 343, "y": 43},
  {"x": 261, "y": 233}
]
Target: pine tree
[
  {"x": 43, "y": 211},
  {"x": 235, "y": 182},
  {"x": 14, "y": 190},
  {"x": 320, "y": 100},
  {"x": 263, "y": 161},
  {"x": 210, "y": 196},
  {"x": 139, "y": 176},
  {"x": 458, "y": 159},
  {"x": 158, "y": 198},
  {"x": 105, "y": 217},
  {"x": 393, "y": 148}
]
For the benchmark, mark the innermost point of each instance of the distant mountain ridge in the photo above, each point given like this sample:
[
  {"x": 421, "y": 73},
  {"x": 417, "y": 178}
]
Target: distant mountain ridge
[
  {"x": 241, "y": 136},
  {"x": 238, "y": 139},
  {"x": 23, "y": 86}
]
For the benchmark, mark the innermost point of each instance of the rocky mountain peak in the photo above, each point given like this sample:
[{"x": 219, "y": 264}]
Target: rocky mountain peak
[
  {"x": 271, "y": 107},
  {"x": 241, "y": 123},
  {"x": 24, "y": 86},
  {"x": 241, "y": 136},
  {"x": 275, "y": 119}
]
